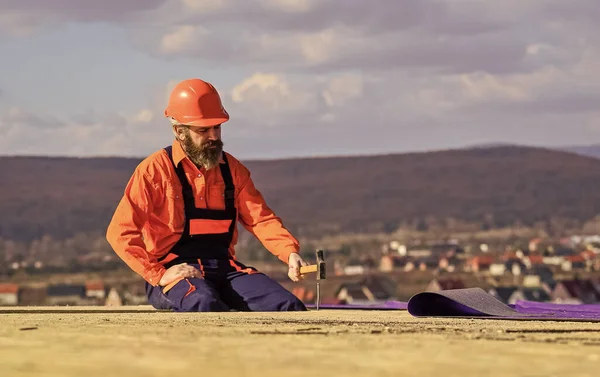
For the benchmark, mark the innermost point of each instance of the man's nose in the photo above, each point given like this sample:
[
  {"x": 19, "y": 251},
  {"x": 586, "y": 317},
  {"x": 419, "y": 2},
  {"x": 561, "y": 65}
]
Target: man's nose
[{"x": 212, "y": 134}]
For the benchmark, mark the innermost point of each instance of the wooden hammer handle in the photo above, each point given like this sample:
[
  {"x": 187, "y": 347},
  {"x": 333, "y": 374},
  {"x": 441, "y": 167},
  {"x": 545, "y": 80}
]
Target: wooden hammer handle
[{"x": 307, "y": 269}]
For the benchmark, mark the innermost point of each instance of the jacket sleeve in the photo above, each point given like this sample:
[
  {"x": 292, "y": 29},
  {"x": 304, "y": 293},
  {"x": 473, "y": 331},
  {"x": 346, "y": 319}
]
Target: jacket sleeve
[
  {"x": 124, "y": 233},
  {"x": 256, "y": 216}
]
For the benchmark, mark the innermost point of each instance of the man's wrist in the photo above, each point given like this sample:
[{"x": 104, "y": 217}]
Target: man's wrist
[
  {"x": 155, "y": 275},
  {"x": 285, "y": 255}
]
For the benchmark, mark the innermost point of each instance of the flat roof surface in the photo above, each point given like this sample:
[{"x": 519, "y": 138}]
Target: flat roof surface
[{"x": 140, "y": 341}]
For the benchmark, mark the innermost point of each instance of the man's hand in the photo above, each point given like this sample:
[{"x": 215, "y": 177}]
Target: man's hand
[
  {"x": 178, "y": 272},
  {"x": 294, "y": 263}
]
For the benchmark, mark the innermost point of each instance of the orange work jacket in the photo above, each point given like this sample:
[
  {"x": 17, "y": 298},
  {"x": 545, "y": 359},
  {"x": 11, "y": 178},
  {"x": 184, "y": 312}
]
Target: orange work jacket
[{"x": 149, "y": 218}]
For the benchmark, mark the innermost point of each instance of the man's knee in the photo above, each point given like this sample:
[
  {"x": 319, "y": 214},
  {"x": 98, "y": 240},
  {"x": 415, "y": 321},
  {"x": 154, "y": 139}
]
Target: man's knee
[
  {"x": 293, "y": 303},
  {"x": 284, "y": 301},
  {"x": 260, "y": 293},
  {"x": 202, "y": 301}
]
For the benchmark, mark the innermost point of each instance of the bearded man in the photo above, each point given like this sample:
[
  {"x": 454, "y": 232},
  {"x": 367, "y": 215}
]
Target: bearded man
[{"x": 175, "y": 225}]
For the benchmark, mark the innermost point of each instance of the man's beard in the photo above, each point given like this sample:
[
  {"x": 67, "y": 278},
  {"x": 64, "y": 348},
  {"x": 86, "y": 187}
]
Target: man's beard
[{"x": 206, "y": 155}]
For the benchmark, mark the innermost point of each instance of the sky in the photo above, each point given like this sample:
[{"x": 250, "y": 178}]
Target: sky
[{"x": 300, "y": 77}]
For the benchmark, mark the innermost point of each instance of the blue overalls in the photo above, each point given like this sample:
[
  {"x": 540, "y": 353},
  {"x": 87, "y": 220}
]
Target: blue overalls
[{"x": 226, "y": 284}]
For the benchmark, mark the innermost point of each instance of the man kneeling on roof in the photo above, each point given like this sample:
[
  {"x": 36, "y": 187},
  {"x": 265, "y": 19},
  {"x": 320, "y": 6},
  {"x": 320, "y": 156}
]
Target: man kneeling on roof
[{"x": 176, "y": 223}]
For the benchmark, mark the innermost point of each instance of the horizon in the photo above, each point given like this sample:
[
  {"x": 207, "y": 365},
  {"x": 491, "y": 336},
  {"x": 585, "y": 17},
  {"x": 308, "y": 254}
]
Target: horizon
[{"x": 582, "y": 149}]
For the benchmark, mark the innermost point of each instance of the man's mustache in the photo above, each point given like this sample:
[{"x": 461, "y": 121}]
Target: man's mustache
[{"x": 213, "y": 143}]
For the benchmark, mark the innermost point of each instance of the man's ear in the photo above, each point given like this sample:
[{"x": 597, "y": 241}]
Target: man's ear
[{"x": 178, "y": 132}]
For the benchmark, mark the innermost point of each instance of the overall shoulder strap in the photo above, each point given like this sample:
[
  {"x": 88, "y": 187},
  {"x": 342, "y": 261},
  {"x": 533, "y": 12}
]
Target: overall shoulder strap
[
  {"x": 169, "y": 150},
  {"x": 229, "y": 187}
]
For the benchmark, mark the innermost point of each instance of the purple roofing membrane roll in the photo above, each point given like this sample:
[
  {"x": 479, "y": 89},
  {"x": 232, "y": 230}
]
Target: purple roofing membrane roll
[
  {"x": 476, "y": 303},
  {"x": 533, "y": 306}
]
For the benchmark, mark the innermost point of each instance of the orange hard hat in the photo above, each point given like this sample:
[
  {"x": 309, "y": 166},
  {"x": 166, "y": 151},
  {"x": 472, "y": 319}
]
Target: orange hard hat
[{"x": 195, "y": 102}]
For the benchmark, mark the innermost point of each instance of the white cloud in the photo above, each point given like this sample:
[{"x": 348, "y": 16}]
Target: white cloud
[
  {"x": 202, "y": 6},
  {"x": 266, "y": 99},
  {"x": 19, "y": 118},
  {"x": 261, "y": 86},
  {"x": 417, "y": 72},
  {"x": 290, "y": 6},
  {"x": 22, "y": 24},
  {"x": 179, "y": 39},
  {"x": 143, "y": 116},
  {"x": 482, "y": 86},
  {"x": 497, "y": 37},
  {"x": 26, "y": 17},
  {"x": 114, "y": 134},
  {"x": 323, "y": 46},
  {"x": 343, "y": 88}
]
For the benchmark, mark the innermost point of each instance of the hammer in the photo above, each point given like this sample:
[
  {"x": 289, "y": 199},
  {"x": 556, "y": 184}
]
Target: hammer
[{"x": 319, "y": 268}]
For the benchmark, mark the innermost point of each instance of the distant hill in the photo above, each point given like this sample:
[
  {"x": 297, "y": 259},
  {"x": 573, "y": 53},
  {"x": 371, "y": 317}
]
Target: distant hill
[
  {"x": 496, "y": 186},
  {"x": 591, "y": 150},
  {"x": 584, "y": 150}
]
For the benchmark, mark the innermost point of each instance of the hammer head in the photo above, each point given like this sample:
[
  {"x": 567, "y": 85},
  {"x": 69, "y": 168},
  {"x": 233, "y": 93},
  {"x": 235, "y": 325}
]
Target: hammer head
[{"x": 321, "y": 270}]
